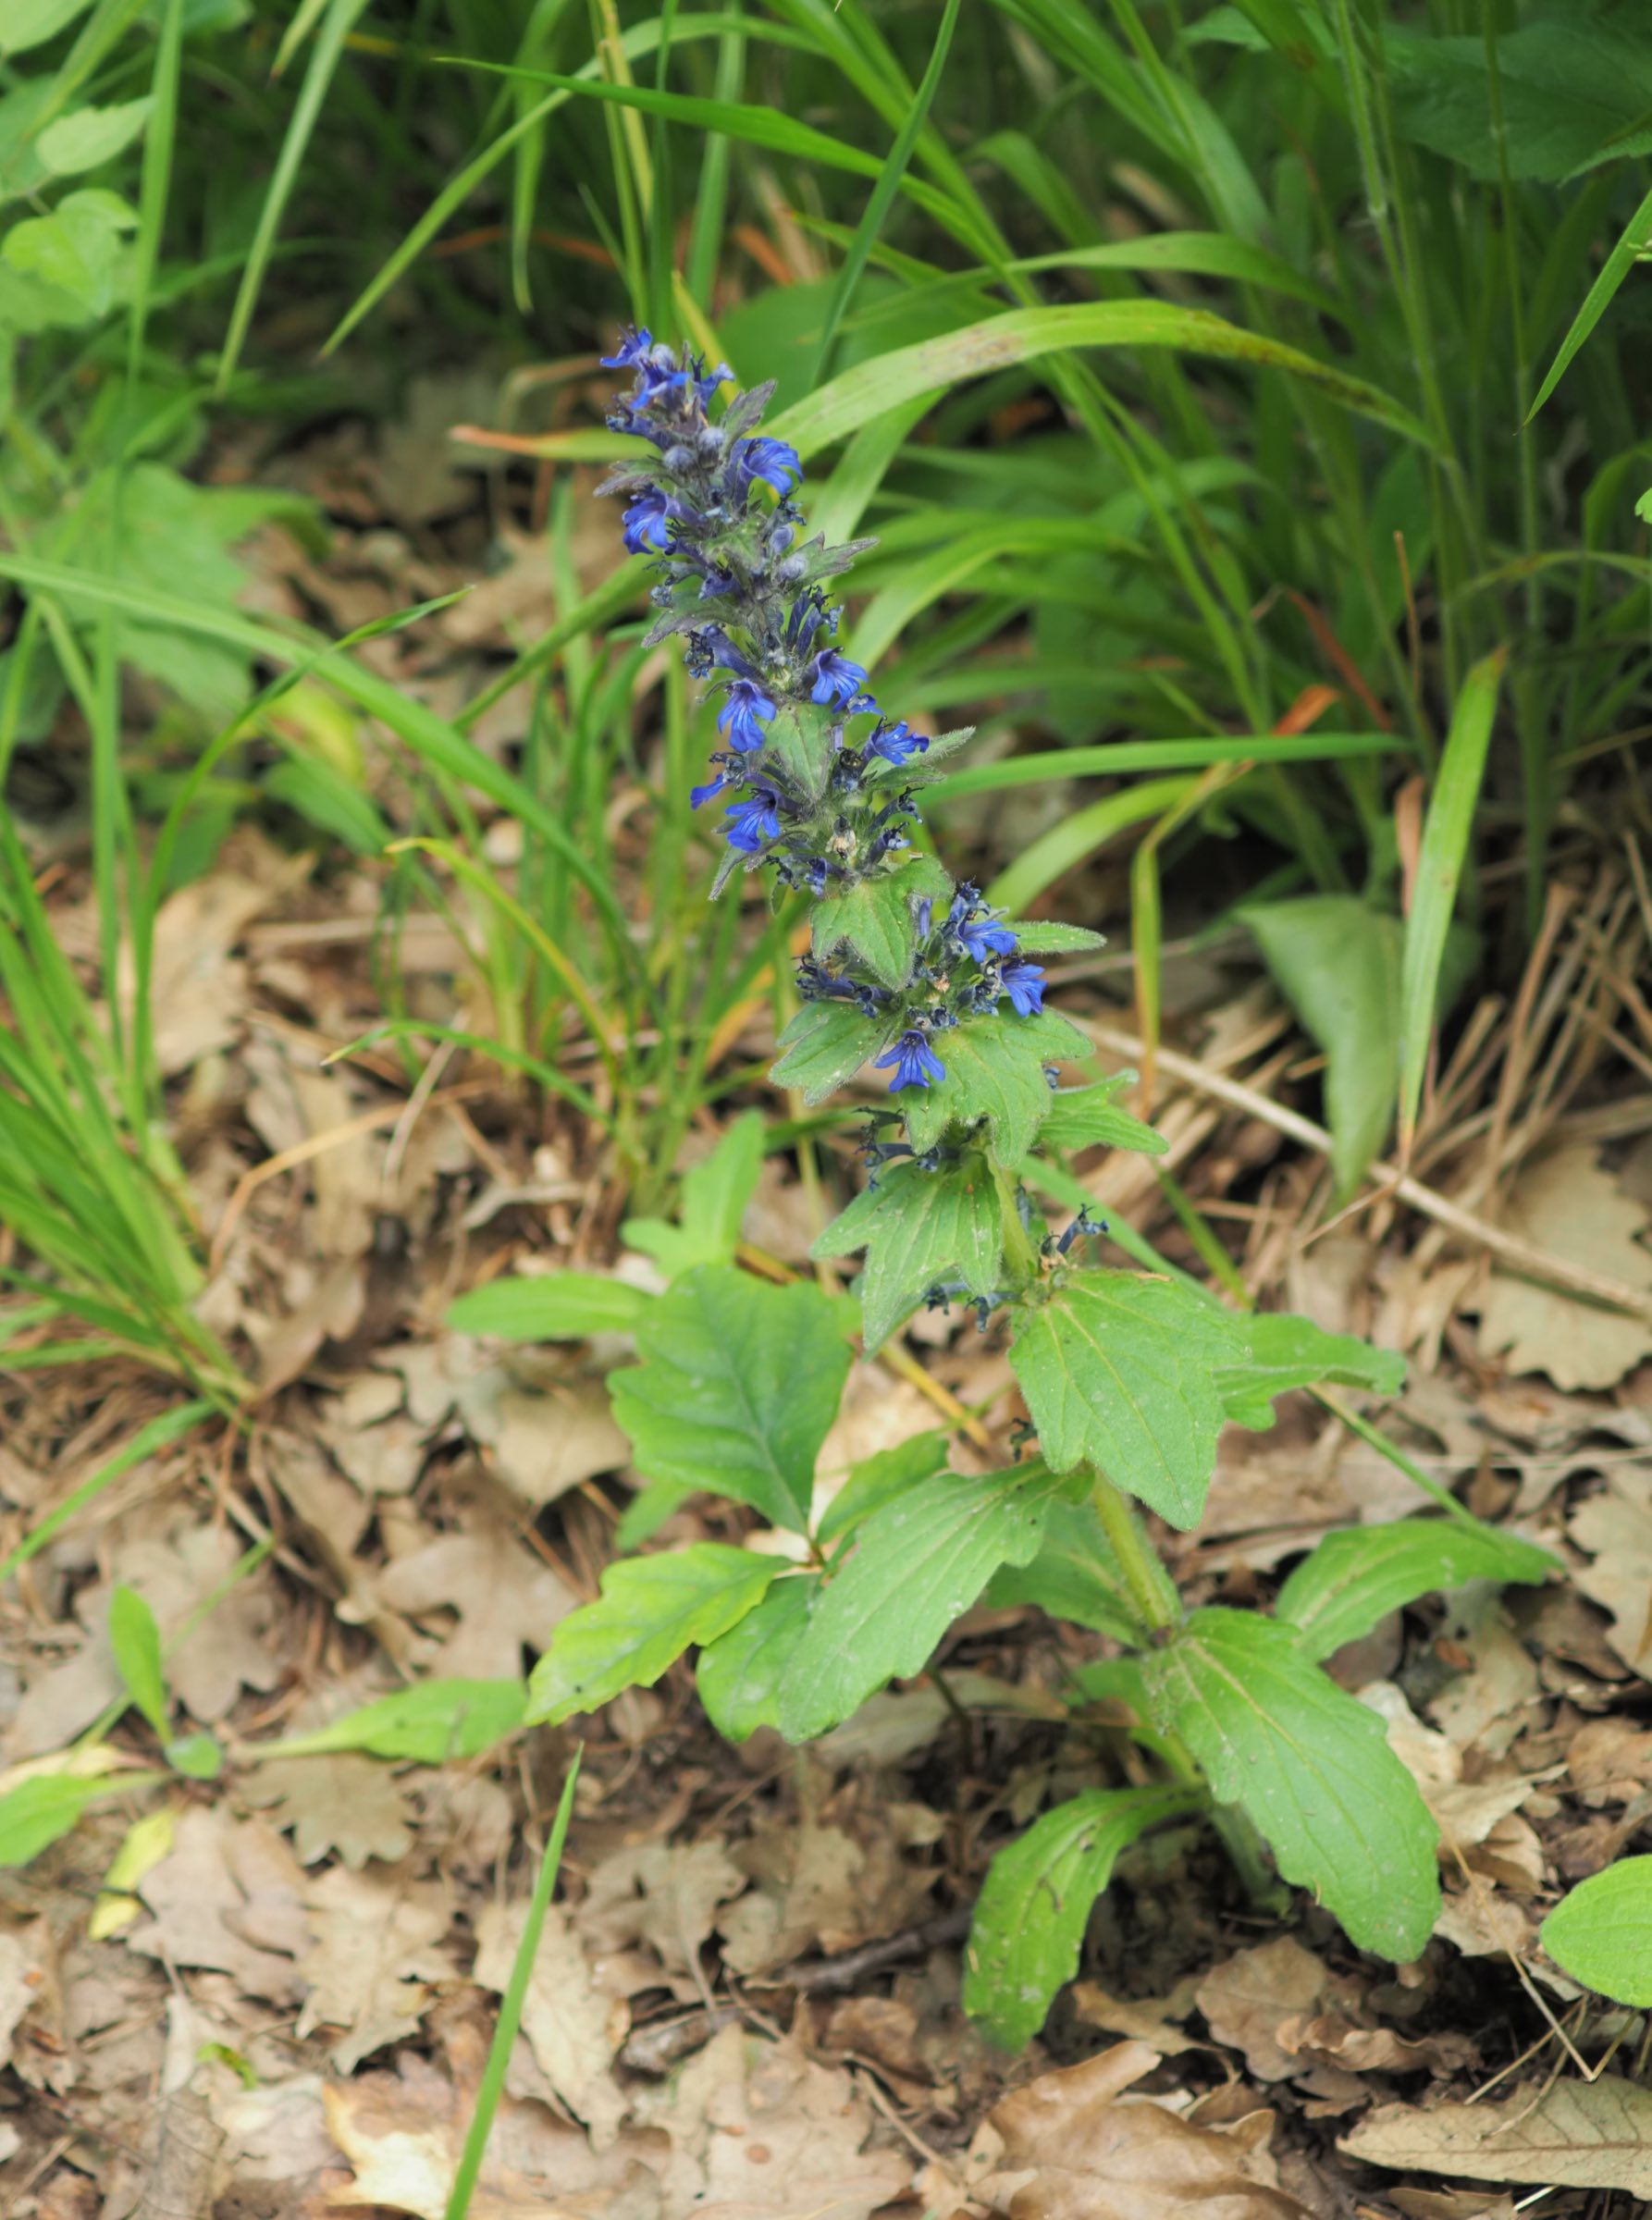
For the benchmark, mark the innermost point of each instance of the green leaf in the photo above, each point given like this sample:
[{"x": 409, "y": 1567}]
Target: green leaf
[
  {"x": 650, "y": 1611},
  {"x": 1359, "y": 1574},
  {"x": 1086, "y": 1118},
  {"x": 75, "y": 248},
  {"x": 40, "y": 1812},
  {"x": 196, "y": 1756},
  {"x": 30, "y": 22},
  {"x": 1074, "y": 1576},
  {"x": 1310, "y": 1766},
  {"x": 135, "y": 1640},
  {"x": 869, "y": 390},
  {"x": 552, "y": 1306},
  {"x": 823, "y": 1046},
  {"x": 1337, "y": 961},
  {"x": 1035, "y": 1903},
  {"x": 435, "y": 1722},
  {"x": 86, "y": 138},
  {"x": 738, "y": 1386},
  {"x": 994, "y": 1070},
  {"x": 919, "y": 1228},
  {"x": 1574, "y": 92},
  {"x": 1119, "y": 1369},
  {"x": 1285, "y": 1352},
  {"x": 878, "y": 1478},
  {"x": 319, "y": 793},
  {"x": 875, "y": 919},
  {"x": 1055, "y": 940},
  {"x": 1630, "y": 246},
  {"x": 1601, "y": 1934},
  {"x": 918, "y": 1564},
  {"x": 1439, "y": 866},
  {"x": 714, "y": 1199},
  {"x": 739, "y": 1674}
]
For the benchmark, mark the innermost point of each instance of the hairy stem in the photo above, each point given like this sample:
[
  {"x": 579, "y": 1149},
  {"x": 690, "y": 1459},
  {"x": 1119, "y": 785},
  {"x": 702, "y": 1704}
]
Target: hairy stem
[{"x": 1150, "y": 1588}]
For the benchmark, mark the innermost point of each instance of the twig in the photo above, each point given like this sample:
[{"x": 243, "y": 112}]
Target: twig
[{"x": 1523, "y": 1257}]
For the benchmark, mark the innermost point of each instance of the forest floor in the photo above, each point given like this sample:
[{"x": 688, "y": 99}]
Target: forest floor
[{"x": 748, "y": 1999}]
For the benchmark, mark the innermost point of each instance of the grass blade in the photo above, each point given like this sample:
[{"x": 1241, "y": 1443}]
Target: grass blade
[
  {"x": 1636, "y": 240},
  {"x": 1439, "y": 870},
  {"x": 170, "y": 1426},
  {"x": 504, "y": 2035}
]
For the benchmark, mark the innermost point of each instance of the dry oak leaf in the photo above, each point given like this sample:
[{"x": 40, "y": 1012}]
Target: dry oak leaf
[
  {"x": 1567, "y": 1204},
  {"x": 573, "y": 2031},
  {"x": 504, "y": 1596},
  {"x": 1579, "y": 2135},
  {"x": 1071, "y": 2151},
  {"x": 377, "y": 1950},
  {"x": 1615, "y": 1528},
  {"x": 1249, "y": 1998},
  {"x": 657, "y": 1893},
  {"x": 227, "y": 1896},
  {"x": 342, "y": 1801}
]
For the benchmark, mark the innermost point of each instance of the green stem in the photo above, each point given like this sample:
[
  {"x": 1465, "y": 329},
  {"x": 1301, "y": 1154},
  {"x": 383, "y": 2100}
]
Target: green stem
[
  {"x": 1152, "y": 1591},
  {"x": 1020, "y": 1250}
]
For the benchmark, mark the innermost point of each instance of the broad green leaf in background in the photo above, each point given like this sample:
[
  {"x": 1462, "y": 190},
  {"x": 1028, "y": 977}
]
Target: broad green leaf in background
[
  {"x": 1601, "y": 1933},
  {"x": 877, "y": 1478},
  {"x": 919, "y": 1229},
  {"x": 1574, "y": 91},
  {"x": 25, "y": 23},
  {"x": 738, "y": 1385},
  {"x": 40, "y": 1812},
  {"x": 996, "y": 1068},
  {"x": 714, "y": 1197},
  {"x": 650, "y": 1611},
  {"x": 77, "y": 247},
  {"x": 1285, "y": 1351},
  {"x": 1087, "y": 1118},
  {"x": 739, "y": 1674},
  {"x": 436, "y": 1723},
  {"x": 135, "y": 1643},
  {"x": 1074, "y": 1576},
  {"x": 875, "y": 919},
  {"x": 1336, "y": 962},
  {"x": 1312, "y": 1768},
  {"x": 1037, "y": 939},
  {"x": 917, "y": 1564},
  {"x": 1036, "y": 1901},
  {"x": 1118, "y": 1368},
  {"x": 1356, "y": 1576},
  {"x": 823, "y": 1047},
  {"x": 551, "y": 1306},
  {"x": 86, "y": 138},
  {"x": 1439, "y": 869}
]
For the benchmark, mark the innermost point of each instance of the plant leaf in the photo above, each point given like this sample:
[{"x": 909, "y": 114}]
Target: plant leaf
[
  {"x": 1038, "y": 939},
  {"x": 714, "y": 1198},
  {"x": 438, "y": 1722},
  {"x": 135, "y": 1640},
  {"x": 551, "y": 1306},
  {"x": 1633, "y": 243},
  {"x": 872, "y": 1483},
  {"x": 1359, "y": 1574},
  {"x": 1036, "y": 1901},
  {"x": 1337, "y": 961},
  {"x": 918, "y": 1563},
  {"x": 1085, "y": 1117},
  {"x": 1285, "y": 1352},
  {"x": 40, "y": 1812},
  {"x": 1601, "y": 1933},
  {"x": 650, "y": 1611},
  {"x": 918, "y": 1230},
  {"x": 1119, "y": 1369},
  {"x": 738, "y": 1386},
  {"x": 875, "y": 919},
  {"x": 824, "y": 1046},
  {"x": 995, "y": 1070},
  {"x": 1312, "y": 1768},
  {"x": 1074, "y": 1576},
  {"x": 739, "y": 1674}
]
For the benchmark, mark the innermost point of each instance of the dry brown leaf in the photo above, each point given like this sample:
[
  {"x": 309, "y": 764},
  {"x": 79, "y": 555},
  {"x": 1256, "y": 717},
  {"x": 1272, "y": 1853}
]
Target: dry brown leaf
[
  {"x": 1610, "y": 1761},
  {"x": 1615, "y": 1528},
  {"x": 343, "y": 1802},
  {"x": 1071, "y": 2151},
  {"x": 198, "y": 993},
  {"x": 19, "y": 1979},
  {"x": 1246, "y": 2000},
  {"x": 1149, "y": 2019},
  {"x": 227, "y": 1896},
  {"x": 656, "y": 1893},
  {"x": 1567, "y": 1204},
  {"x": 504, "y": 1596},
  {"x": 542, "y": 1444},
  {"x": 1467, "y": 1811},
  {"x": 376, "y": 1947},
  {"x": 1580, "y": 2134},
  {"x": 1452, "y": 2204},
  {"x": 573, "y": 2032},
  {"x": 761, "y": 2131}
]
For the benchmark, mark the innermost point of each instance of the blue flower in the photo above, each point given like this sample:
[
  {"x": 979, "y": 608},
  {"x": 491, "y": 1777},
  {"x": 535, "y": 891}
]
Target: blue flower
[
  {"x": 634, "y": 350},
  {"x": 772, "y": 460},
  {"x": 981, "y": 933},
  {"x": 898, "y": 743},
  {"x": 915, "y": 1064},
  {"x": 646, "y": 519},
  {"x": 713, "y": 786},
  {"x": 1024, "y": 984},
  {"x": 836, "y": 678},
  {"x": 753, "y": 822},
  {"x": 745, "y": 710}
]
